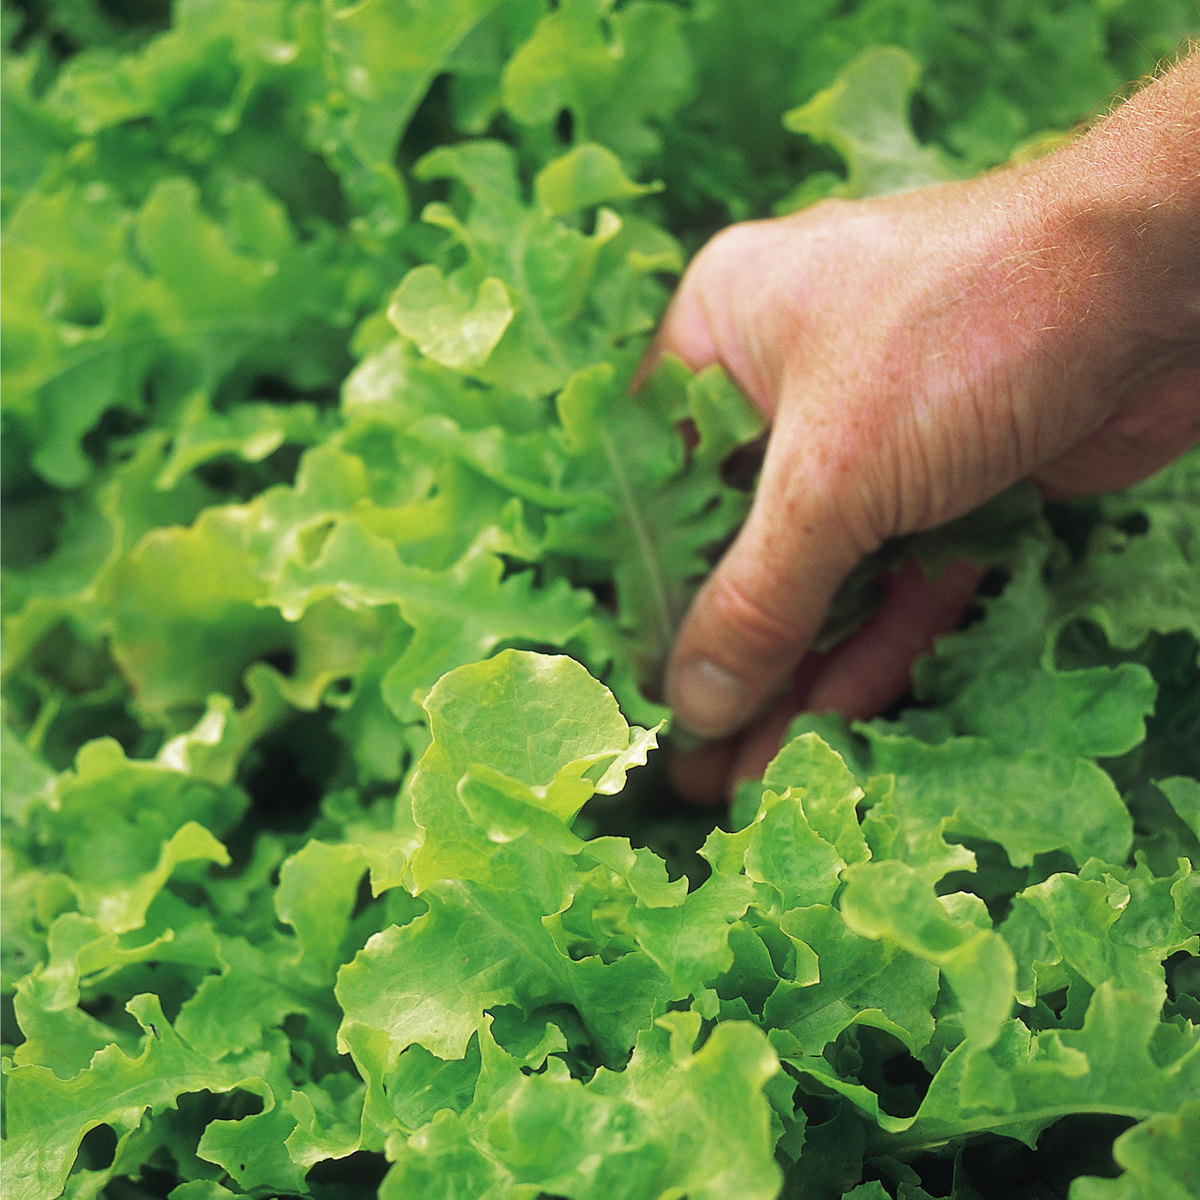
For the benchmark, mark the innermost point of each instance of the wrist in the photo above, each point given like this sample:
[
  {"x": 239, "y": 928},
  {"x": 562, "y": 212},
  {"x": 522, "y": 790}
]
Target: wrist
[{"x": 1120, "y": 207}]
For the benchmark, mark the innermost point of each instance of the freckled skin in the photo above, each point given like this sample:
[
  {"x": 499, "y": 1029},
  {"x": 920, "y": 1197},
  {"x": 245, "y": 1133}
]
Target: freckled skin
[{"x": 916, "y": 354}]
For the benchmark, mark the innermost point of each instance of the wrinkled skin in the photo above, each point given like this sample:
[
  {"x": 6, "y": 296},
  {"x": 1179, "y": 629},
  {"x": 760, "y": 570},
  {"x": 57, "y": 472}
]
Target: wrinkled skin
[{"x": 915, "y": 354}]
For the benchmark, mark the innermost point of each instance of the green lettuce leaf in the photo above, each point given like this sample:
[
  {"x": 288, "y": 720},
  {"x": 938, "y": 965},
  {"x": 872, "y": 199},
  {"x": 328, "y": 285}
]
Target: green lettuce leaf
[
  {"x": 49, "y": 1116},
  {"x": 340, "y": 564},
  {"x": 864, "y": 116}
]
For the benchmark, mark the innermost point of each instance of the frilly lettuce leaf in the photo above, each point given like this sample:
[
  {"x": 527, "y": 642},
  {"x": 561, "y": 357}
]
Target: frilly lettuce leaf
[
  {"x": 620, "y": 73},
  {"x": 340, "y": 562},
  {"x": 161, "y": 301},
  {"x": 864, "y": 116},
  {"x": 675, "y": 1119},
  {"x": 49, "y": 1115},
  {"x": 1157, "y": 1158},
  {"x": 381, "y": 88}
]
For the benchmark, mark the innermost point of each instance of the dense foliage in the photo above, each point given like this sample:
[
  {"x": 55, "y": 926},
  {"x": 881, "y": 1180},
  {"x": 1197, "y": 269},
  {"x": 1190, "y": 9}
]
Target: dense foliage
[{"x": 338, "y": 560}]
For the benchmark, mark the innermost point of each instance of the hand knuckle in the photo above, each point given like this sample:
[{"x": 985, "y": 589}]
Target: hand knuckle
[{"x": 764, "y": 631}]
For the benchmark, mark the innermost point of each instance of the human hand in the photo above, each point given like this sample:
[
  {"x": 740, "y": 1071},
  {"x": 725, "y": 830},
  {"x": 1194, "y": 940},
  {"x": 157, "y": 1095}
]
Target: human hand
[{"x": 916, "y": 354}]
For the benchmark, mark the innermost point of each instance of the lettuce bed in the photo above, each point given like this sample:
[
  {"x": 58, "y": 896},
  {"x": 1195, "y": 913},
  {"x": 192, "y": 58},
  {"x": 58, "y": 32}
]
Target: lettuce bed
[{"x": 339, "y": 565}]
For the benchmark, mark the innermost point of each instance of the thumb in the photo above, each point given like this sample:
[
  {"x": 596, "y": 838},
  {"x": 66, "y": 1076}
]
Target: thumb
[{"x": 759, "y": 611}]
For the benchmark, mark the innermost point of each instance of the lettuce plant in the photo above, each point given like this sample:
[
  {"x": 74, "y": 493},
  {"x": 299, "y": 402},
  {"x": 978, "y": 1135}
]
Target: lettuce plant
[{"x": 339, "y": 568}]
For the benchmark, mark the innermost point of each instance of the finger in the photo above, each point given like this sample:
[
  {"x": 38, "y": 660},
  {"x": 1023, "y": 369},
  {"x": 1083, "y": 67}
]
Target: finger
[
  {"x": 872, "y": 668},
  {"x": 685, "y": 332},
  {"x": 715, "y": 312},
  {"x": 1132, "y": 445},
  {"x": 712, "y": 771},
  {"x": 765, "y": 601},
  {"x": 761, "y": 743},
  {"x": 701, "y": 775}
]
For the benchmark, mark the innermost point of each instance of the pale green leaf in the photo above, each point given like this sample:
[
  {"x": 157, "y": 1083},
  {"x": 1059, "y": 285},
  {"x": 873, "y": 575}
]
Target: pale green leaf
[
  {"x": 452, "y": 325},
  {"x": 864, "y": 116},
  {"x": 48, "y": 1116},
  {"x": 585, "y": 176}
]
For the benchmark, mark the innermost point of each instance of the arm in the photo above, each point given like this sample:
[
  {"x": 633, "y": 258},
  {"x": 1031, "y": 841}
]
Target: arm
[{"x": 916, "y": 354}]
